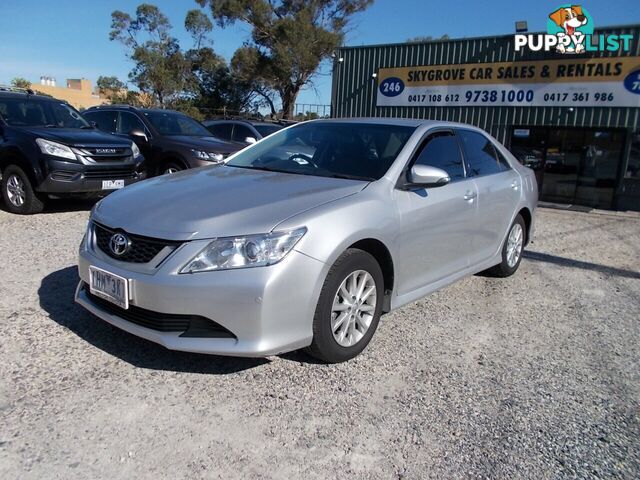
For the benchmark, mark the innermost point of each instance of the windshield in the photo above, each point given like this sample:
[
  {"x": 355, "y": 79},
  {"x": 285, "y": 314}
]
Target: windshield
[
  {"x": 266, "y": 130},
  {"x": 171, "y": 123},
  {"x": 27, "y": 112},
  {"x": 328, "y": 149}
]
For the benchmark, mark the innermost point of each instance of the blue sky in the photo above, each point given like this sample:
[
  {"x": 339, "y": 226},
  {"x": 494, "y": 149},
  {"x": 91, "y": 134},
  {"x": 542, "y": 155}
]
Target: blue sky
[{"x": 69, "y": 38}]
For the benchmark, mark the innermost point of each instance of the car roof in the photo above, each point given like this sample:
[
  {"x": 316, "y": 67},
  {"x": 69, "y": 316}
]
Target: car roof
[{"x": 31, "y": 96}]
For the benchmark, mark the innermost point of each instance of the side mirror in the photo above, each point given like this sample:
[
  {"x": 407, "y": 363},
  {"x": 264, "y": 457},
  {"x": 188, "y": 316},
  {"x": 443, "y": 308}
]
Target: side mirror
[
  {"x": 139, "y": 135},
  {"x": 250, "y": 140},
  {"x": 427, "y": 176}
]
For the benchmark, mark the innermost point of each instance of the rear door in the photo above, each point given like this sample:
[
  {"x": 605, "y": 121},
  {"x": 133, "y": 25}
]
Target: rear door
[
  {"x": 105, "y": 119},
  {"x": 498, "y": 187},
  {"x": 436, "y": 223}
]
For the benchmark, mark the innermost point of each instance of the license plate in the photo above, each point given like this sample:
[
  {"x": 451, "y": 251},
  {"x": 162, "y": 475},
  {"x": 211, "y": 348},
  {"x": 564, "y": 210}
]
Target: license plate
[
  {"x": 112, "y": 184},
  {"x": 110, "y": 287}
]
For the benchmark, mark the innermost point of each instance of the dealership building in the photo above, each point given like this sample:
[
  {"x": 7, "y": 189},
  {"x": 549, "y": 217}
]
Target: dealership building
[{"x": 572, "y": 117}]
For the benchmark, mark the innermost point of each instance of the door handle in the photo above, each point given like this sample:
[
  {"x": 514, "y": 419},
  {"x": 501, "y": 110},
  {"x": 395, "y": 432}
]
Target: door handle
[{"x": 469, "y": 196}]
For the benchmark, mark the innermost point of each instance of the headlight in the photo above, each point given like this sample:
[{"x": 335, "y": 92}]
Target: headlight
[
  {"x": 208, "y": 156},
  {"x": 55, "y": 149},
  {"x": 135, "y": 150},
  {"x": 241, "y": 252}
]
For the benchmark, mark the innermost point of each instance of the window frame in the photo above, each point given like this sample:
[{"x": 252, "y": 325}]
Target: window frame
[
  {"x": 117, "y": 126},
  {"x": 98, "y": 112},
  {"x": 402, "y": 181},
  {"x": 498, "y": 153}
]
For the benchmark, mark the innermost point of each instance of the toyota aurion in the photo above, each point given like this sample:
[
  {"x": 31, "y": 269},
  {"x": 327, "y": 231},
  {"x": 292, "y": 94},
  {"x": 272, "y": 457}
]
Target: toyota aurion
[{"x": 304, "y": 239}]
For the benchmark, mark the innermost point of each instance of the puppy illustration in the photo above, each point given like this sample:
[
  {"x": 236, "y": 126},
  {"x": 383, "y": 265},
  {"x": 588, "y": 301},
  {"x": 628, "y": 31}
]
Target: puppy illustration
[{"x": 569, "y": 19}]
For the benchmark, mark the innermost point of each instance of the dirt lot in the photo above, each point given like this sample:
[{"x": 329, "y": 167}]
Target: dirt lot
[{"x": 535, "y": 376}]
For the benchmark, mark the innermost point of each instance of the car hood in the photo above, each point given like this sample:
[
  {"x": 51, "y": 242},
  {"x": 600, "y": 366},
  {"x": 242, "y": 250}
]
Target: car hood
[
  {"x": 78, "y": 137},
  {"x": 206, "y": 143},
  {"x": 217, "y": 201}
]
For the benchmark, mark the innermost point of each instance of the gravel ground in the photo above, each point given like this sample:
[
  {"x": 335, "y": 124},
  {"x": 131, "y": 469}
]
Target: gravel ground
[{"x": 536, "y": 376}]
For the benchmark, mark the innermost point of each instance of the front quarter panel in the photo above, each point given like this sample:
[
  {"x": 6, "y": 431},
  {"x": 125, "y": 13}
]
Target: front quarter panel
[{"x": 334, "y": 227}]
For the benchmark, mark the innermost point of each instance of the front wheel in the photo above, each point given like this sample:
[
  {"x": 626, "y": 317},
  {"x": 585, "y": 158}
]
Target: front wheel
[
  {"x": 17, "y": 192},
  {"x": 349, "y": 307},
  {"x": 172, "y": 167},
  {"x": 511, "y": 250}
]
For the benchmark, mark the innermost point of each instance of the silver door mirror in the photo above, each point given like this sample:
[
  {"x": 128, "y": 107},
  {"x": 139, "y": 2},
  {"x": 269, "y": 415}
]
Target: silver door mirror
[
  {"x": 250, "y": 140},
  {"x": 427, "y": 176}
]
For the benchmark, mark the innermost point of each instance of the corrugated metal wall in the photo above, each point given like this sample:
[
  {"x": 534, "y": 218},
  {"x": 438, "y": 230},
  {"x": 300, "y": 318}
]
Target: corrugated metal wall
[{"x": 354, "y": 89}]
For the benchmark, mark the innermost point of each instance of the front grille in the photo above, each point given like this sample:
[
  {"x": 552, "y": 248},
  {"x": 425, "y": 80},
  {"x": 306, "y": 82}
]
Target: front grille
[
  {"x": 191, "y": 325},
  {"x": 107, "y": 154},
  {"x": 141, "y": 250},
  {"x": 111, "y": 174}
]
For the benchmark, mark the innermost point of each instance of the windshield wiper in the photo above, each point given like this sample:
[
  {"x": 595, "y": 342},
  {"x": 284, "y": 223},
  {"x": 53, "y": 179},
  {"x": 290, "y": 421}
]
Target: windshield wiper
[
  {"x": 51, "y": 125},
  {"x": 87, "y": 127},
  {"x": 351, "y": 177}
]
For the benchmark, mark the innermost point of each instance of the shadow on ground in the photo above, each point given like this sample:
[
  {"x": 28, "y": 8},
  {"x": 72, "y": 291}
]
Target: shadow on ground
[
  {"x": 63, "y": 205},
  {"x": 569, "y": 262},
  {"x": 56, "y": 294}
]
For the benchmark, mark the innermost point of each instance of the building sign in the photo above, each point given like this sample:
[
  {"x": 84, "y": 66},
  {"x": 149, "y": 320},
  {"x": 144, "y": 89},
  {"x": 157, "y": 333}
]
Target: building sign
[
  {"x": 570, "y": 31},
  {"x": 566, "y": 82}
]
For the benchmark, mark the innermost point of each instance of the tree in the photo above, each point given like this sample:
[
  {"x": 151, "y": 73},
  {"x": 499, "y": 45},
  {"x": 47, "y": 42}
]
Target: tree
[
  {"x": 20, "y": 82},
  {"x": 199, "y": 26},
  {"x": 160, "y": 67},
  {"x": 108, "y": 86},
  {"x": 427, "y": 38},
  {"x": 289, "y": 40}
]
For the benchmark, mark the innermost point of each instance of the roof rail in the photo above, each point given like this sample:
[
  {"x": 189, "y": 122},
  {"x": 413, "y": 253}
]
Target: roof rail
[
  {"x": 11, "y": 88},
  {"x": 109, "y": 105}
]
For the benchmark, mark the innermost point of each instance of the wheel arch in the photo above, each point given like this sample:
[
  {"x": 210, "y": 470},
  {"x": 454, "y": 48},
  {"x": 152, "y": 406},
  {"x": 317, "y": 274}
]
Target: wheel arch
[
  {"x": 13, "y": 156},
  {"x": 381, "y": 253},
  {"x": 526, "y": 215}
]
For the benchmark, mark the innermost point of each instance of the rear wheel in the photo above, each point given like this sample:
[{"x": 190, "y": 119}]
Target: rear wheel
[
  {"x": 349, "y": 307},
  {"x": 511, "y": 250},
  {"x": 17, "y": 192}
]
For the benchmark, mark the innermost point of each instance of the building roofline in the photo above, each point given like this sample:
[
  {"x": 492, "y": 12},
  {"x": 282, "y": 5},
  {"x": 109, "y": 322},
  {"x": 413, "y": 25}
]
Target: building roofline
[{"x": 484, "y": 37}]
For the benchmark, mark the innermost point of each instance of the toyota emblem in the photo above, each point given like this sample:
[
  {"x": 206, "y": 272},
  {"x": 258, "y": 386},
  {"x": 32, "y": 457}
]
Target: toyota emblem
[{"x": 119, "y": 244}]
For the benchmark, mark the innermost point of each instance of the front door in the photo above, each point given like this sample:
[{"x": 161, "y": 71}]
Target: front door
[{"x": 437, "y": 224}]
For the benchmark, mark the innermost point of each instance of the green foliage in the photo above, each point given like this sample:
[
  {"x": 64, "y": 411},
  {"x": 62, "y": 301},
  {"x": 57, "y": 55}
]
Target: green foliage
[
  {"x": 109, "y": 85},
  {"x": 199, "y": 26},
  {"x": 20, "y": 82},
  {"x": 159, "y": 65},
  {"x": 289, "y": 40}
]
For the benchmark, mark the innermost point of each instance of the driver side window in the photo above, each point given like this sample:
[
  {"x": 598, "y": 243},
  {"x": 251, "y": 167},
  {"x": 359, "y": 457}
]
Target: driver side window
[{"x": 441, "y": 150}]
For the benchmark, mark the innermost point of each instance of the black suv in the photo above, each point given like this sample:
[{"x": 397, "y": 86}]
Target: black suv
[
  {"x": 48, "y": 150},
  {"x": 169, "y": 140},
  {"x": 242, "y": 132}
]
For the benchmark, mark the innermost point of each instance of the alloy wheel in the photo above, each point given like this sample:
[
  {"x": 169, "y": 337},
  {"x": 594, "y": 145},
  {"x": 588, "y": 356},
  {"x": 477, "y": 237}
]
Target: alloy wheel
[
  {"x": 514, "y": 245},
  {"x": 15, "y": 190},
  {"x": 353, "y": 308}
]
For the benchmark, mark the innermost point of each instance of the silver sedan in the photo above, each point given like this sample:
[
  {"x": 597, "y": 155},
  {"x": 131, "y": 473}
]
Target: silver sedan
[{"x": 306, "y": 238}]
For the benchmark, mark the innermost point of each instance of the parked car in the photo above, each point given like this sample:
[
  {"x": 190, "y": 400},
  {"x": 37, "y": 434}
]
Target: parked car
[
  {"x": 242, "y": 132},
  {"x": 274, "y": 251},
  {"x": 47, "y": 149},
  {"x": 170, "y": 141}
]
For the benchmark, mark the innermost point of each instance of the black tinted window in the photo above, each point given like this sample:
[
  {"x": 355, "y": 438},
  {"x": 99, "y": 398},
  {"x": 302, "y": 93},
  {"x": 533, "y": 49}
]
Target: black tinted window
[
  {"x": 128, "y": 122},
  {"x": 480, "y": 154},
  {"x": 442, "y": 151},
  {"x": 27, "y": 112},
  {"x": 240, "y": 133},
  {"x": 106, "y": 121},
  {"x": 221, "y": 130}
]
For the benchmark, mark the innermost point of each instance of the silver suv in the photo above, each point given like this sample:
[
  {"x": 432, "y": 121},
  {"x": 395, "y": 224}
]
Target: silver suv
[{"x": 305, "y": 238}]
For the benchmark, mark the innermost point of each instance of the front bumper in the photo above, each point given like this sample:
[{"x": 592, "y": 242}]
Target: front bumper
[
  {"x": 269, "y": 310},
  {"x": 63, "y": 177}
]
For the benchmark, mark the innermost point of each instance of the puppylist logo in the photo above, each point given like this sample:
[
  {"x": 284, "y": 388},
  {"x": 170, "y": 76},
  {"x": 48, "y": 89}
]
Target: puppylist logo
[{"x": 570, "y": 31}]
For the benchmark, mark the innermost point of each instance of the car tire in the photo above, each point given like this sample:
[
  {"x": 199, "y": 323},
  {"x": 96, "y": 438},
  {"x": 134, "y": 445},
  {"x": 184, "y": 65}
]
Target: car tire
[
  {"x": 18, "y": 193},
  {"x": 346, "y": 317},
  {"x": 512, "y": 249},
  {"x": 171, "y": 167}
]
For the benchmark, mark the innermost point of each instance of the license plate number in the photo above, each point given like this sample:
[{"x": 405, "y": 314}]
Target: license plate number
[
  {"x": 110, "y": 287},
  {"x": 112, "y": 184}
]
